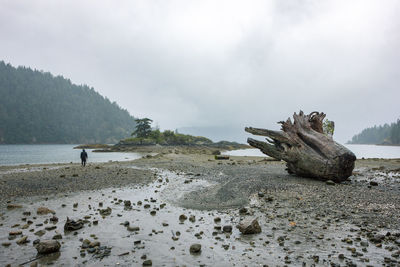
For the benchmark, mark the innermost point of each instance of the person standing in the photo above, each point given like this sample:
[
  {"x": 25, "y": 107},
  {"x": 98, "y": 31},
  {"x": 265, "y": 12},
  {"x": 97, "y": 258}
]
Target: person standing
[{"x": 84, "y": 157}]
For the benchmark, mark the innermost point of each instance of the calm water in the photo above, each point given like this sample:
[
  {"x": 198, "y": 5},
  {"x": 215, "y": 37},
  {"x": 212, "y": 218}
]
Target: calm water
[
  {"x": 366, "y": 151},
  {"x": 33, "y": 154}
]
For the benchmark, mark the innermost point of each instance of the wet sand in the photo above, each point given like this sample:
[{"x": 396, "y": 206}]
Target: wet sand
[{"x": 303, "y": 221}]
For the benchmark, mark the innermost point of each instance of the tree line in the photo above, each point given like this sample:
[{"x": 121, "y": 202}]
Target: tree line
[
  {"x": 384, "y": 134},
  {"x": 37, "y": 107}
]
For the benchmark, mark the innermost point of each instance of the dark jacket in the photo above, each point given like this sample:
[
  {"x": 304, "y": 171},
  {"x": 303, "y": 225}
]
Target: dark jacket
[{"x": 84, "y": 155}]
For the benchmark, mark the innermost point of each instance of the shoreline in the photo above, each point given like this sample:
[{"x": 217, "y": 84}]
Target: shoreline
[{"x": 300, "y": 218}]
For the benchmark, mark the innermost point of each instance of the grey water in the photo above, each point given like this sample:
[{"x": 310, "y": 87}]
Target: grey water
[
  {"x": 361, "y": 151},
  {"x": 44, "y": 154}
]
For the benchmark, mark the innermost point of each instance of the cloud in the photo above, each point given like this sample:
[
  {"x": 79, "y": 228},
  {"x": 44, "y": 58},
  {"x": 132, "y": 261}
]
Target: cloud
[{"x": 219, "y": 63}]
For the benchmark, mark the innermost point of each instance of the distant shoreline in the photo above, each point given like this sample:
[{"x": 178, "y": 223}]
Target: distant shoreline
[{"x": 375, "y": 144}]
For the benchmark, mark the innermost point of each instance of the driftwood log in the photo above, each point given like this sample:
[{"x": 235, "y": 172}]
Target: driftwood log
[{"x": 307, "y": 150}]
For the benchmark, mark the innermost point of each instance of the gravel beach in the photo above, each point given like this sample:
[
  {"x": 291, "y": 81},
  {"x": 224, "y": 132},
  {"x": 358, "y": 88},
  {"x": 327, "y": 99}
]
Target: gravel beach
[{"x": 161, "y": 206}]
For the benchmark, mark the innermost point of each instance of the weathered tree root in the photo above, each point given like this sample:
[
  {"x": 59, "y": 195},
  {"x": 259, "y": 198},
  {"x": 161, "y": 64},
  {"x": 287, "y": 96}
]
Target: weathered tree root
[{"x": 306, "y": 149}]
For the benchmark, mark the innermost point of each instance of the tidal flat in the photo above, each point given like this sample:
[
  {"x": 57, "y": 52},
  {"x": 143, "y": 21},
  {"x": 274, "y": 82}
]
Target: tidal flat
[{"x": 183, "y": 209}]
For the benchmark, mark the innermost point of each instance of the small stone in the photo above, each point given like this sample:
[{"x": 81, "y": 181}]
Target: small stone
[
  {"x": 249, "y": 226},
  {"x": 217, "y": 219},
  {"x": 242, "y": 210},
  {"x": 133, "y": 228},
  {"x": 49, "y": 228},
  {"x": 48, "y": 246},
  {"x": 57, "y": 236},
  {"x": 44, "y": 211},
  {"x": 227, "y": 229},
  {"x": 192, "y": 218},
  {"x": 182, "y": 217},
  {"x": 13, "y": 206},
  {"x": 6, "y": 244},
  {"x": 94, "y": 244},
  {"x": 22, "y": 240},
  {"x": 373, "y": 183},
  {"x": 12, "y": 233},
  {"x": 330, "y": 182},
  {"x": 153, "y": 212},
  {"x": 195, "y": 248},
  {"x": 147, "y": 263}
]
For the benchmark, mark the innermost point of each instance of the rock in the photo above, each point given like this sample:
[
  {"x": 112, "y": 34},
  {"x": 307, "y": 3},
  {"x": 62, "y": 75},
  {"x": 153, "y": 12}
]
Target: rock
[
  {"x": 133, "y": 228},
  {"x": 94, "y": 244},
  {"x": 153, "y": 212},
  {"x": 373, "y": 183},
  {"x": 48, "y": 246},
  {"x": 105, "y": 212},
  {"x": 13, "y": 206},
  {"x": 12, "y": 233},
  {"x": 49, "y": 228},
  {"x": 147, "y": 263},
  {"x": 40, "y": 232},
  {"x": 227, "y": 229},
  {"x": 249, "y": 226},
  {"x": 22, "y": 240},
  {"x": 54, "y": 219},
  {"x": 127, "y": 203},
  {"x": 330, "y": 182},
  {"x": 192, "y": 218},
  {"x": 217, "y": 219},
  {"x": 242, "y": 210},
  {"x": 57, "y": 236},
  {"x": 75, "y": 205},
  {"x": 182, "y": 217},
  {"x": 71, "y": 225},
  {"x": 260, "y": 194},
  {"x": 195, "y": 248},
  {"x": 34, "y": 264},
  {"x": 6, "y": 244},
  {"x": 44, "y": 211}
]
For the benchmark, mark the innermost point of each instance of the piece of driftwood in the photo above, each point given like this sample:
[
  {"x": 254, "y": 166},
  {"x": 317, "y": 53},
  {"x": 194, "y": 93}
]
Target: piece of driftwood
[{"x": 308, "y": 151}]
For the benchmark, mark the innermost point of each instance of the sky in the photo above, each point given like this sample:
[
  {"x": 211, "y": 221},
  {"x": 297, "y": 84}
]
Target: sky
[{"x": 219, "y": 65}]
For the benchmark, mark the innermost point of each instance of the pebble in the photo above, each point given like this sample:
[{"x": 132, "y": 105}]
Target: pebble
[
  {"x": 195, "y": 248},
  {"x": 48, "y": 246},
  {"x": 249, "y": 226}
]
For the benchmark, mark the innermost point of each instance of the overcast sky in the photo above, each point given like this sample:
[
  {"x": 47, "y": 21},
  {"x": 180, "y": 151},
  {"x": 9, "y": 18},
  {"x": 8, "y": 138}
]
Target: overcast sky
[{"x": 219, "y": 63}]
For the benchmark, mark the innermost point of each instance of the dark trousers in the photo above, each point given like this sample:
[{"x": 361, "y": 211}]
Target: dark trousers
[{"x": 83, "y": 162}]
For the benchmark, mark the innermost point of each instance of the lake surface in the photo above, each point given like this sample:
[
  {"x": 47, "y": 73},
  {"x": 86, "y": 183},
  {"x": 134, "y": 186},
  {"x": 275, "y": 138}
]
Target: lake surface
[
  {"x": 361, "y": 151},
  {"x": 38, "y": 154}
]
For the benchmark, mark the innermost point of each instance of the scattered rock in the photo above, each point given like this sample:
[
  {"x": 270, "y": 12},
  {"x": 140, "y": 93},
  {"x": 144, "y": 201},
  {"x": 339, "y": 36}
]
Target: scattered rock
[
  {"x": 13, "y": 233},
  {"x": 44, "y": 211},
  {"x": 22, "y": 240},
  {"x": 48, "y": 246},
  {"x": 182, "y": 217},
  {"x": 147, "y": 263},
  {"x": 330, "y": 182},
  {"x": 71, "y": 225},
  {"x": 105, "y": 212},
  {"x": 249, "y": 226},
  {"x": 195, "y": 248},
  {"x": 227, "y": 229},
  {"x": 13, "y": 206},
  {"x": 373, "y": 183}
]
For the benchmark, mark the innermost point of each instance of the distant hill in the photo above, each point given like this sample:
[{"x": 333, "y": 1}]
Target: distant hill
[
  {"x": 37, "y": 107},
  {"x": 379, "y": 135}
]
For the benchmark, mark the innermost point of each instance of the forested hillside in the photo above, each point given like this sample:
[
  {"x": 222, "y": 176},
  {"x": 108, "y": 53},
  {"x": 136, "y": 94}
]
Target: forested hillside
[
  {"x": 37, "y": 107},
  {"x": 386, "y": 134}
]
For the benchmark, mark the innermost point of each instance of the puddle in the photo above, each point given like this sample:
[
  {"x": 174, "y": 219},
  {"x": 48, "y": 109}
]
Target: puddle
[{"x": 164, "y": 239}]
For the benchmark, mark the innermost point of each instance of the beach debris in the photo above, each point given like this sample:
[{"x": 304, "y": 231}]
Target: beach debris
[
  {"x": 195, "y": 248},
  {"x": 71, "y": 225},
  {"x": 308, "y": 149},
  {"x": 249, "y": 226},
  {"x": 48, "y": 246},
  {"x": 44, "y": 211}
]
